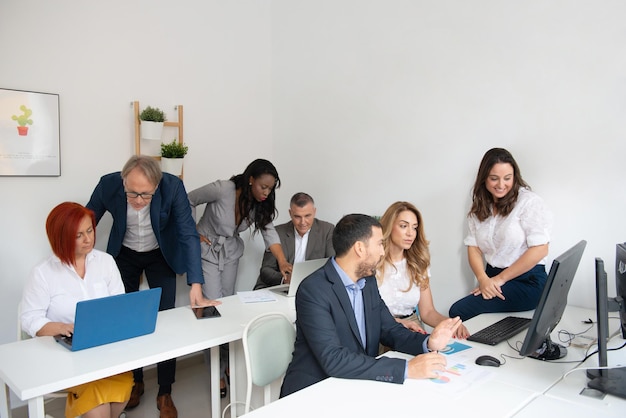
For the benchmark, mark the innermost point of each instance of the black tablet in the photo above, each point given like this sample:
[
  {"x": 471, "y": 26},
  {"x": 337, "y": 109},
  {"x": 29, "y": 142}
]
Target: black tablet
[{"x": 206, "y": 312}]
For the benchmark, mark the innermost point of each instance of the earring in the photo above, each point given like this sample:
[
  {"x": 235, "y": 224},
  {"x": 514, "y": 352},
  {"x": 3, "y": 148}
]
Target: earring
[{"x": 249, "y": 184}]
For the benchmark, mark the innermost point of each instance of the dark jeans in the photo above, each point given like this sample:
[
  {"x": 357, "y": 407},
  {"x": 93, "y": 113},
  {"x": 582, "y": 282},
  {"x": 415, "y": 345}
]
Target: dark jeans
[
  {"x": 521, "y": 294},
  {"x": 159, "y": 274}
]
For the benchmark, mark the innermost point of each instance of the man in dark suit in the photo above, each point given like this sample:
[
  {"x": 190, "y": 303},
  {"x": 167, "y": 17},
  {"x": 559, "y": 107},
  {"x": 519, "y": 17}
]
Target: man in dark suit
[
  {"x": 303, "y": 238},
  {"x": 341, "y": 319},
  {"x": 154, "y": 233}
]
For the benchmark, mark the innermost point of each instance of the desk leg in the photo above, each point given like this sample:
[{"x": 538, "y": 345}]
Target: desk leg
[
  {"x": 35, "y": 408},
  {"x": 232, "y": 361},
  {"x": 5, "y": 407},
  {"x": 216, "y": 403}
]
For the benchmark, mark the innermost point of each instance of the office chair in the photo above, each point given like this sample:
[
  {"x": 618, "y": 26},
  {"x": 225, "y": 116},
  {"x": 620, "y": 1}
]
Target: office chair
[
  {"x": 267, "y": 346},
  {"x": 21, "y": 335}
]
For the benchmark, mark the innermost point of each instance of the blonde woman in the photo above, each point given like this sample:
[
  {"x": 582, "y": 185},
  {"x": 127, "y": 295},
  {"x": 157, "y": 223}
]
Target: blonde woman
[{"x": 404, "y": 273}]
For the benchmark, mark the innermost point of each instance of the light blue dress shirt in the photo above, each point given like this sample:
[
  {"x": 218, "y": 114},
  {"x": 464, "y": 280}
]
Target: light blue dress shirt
[{"x": 355, "y": 294}]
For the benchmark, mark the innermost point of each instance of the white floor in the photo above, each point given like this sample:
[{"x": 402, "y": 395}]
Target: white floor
[{"x": 190, "y": 393}]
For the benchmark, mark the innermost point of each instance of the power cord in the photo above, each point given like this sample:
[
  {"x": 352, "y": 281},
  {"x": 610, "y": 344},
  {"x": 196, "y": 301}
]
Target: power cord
[
  {"x": 564, "y": 337},
  {"x": 608, "y": 349},
  {"x": 567, "y": 337},
  {"x": 227, "y": 407},
  {"x": 579, "y": 369}
]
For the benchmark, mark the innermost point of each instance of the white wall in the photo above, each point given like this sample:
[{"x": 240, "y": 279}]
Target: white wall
[
  {"x": 378, "y": 101},
  {"x": 358, "y": 102},
  {"x": 213, "y": 57}
]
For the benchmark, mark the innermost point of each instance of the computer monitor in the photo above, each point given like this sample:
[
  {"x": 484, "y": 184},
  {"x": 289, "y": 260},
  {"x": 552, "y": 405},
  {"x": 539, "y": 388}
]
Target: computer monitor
[
  {"x": 537, "y": 343},
  {"x": 620, "y": 282},
  {"x": 612, "y": 380}
]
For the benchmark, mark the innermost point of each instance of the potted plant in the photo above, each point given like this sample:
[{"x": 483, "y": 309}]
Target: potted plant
[
  {"x": 152, "y": 119},
  {"x": 23, "y": 120},
  {"x": 172, "y": 157}
]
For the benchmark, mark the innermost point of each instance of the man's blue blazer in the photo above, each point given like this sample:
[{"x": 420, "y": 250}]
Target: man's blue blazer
[{"x": 170, "y": 214}]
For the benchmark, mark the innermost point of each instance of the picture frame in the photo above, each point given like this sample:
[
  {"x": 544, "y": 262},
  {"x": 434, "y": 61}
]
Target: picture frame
[{"x": 29, "y": 133}]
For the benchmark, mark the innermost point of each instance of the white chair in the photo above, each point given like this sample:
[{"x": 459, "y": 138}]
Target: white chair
[
  {"x": 267, "y": 345},
  {"x": 21, "y": 335}
]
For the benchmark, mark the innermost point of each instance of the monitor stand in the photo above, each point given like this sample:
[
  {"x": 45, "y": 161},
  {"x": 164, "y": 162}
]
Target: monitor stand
[
  {"x": 549, "y": 351},
  {"x": 611, "y": 381}
]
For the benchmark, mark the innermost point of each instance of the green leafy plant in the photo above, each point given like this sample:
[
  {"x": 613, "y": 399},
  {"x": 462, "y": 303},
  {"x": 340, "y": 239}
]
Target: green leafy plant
[
  {"x": 23, "y": 119},
  {"x": 152, "y": 114},
  {"x": 173, "y": 149}
]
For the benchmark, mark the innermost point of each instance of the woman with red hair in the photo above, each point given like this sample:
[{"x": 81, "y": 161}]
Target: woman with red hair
[{"x": 76, "y": 271}]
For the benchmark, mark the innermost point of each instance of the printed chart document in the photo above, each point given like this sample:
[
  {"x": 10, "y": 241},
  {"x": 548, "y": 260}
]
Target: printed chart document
[
  {"x": 461, "y": 372},
  {"x": 255, "y": 296}
]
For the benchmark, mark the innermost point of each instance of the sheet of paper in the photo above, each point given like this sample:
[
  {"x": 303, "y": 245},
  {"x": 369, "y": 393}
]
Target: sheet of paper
[
  {"x": 461, "y": 371},
  {"x": 255, "y": 296}
]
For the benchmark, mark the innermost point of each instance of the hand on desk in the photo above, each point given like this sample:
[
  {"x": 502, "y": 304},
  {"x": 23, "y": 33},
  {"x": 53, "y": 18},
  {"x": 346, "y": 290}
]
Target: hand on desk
[
  {"x": 196, "y": 298},
  {"x": 461, "y": 332},
  {"x": 426, "y": 366}
]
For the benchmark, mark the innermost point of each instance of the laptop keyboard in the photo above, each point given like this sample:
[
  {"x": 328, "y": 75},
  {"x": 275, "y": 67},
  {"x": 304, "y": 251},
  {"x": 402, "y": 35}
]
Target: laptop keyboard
[{"x": 500, "y": 331}]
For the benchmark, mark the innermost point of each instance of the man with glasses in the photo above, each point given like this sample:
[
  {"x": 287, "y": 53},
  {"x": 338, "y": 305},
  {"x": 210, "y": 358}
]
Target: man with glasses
[{"x": 153, "y": 233}]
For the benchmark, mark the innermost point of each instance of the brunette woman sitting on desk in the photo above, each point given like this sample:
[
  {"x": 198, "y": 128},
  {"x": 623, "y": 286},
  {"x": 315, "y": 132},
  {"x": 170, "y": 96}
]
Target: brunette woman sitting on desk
[
  {"x": 509, "y": 226},
  {"x": 74, "y": 273}
]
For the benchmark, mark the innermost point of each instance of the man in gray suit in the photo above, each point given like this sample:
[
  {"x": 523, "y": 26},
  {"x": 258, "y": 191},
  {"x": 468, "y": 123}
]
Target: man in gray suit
[{"x": 302, "y": 238}]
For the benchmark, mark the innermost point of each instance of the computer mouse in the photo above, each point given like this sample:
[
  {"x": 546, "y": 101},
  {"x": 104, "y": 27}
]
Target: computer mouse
[{"x": 488, "y": 361}]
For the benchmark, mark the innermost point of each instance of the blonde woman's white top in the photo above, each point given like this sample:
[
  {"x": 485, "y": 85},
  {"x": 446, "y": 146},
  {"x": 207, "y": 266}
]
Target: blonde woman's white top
[{"x": 393, "y": 289}]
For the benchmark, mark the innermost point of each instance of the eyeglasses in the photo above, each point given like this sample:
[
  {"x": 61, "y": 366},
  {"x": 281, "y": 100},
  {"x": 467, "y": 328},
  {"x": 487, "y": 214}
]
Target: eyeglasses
[{"x": 144, "y": 196}]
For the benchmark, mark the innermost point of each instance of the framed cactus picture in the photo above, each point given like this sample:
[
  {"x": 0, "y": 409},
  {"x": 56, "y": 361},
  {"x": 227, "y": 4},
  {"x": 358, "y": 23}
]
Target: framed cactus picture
[{"x": 29, "y": 133}]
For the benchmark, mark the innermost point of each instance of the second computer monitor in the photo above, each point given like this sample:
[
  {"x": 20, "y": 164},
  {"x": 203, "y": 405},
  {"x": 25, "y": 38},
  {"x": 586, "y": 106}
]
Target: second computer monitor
[
  {"x": 537, "y": 343},
  {"x": 620, "y": 283}
]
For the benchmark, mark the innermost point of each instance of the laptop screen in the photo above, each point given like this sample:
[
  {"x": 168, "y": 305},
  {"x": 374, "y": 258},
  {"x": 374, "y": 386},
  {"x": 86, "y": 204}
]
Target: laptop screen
[{"x": 115, "y": 318}]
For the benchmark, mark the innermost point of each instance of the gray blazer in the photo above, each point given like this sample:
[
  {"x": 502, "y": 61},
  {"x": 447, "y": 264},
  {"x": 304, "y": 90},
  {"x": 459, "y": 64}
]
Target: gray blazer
[{"x": 320, "y": 245}]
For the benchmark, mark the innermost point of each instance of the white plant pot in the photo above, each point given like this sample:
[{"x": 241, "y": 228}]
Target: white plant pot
[
  {"x": 151, "y": 130},
  {"x": 172, "y": 165}
]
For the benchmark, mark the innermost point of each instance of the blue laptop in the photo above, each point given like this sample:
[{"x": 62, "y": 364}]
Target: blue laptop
[{"x": 113, "y": 318}]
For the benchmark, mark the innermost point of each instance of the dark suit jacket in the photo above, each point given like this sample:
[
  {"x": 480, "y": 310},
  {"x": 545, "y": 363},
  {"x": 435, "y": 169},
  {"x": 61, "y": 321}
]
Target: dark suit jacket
[
  {"x": 327, "y": 339},
  {"x": 171, "y": 218},
  {"x": 320, "y": 245}
]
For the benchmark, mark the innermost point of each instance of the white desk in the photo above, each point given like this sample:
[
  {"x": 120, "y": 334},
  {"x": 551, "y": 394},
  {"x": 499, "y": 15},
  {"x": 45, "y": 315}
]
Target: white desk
[
  {"x": 565, "y": 396},
  {"x": 35, "y": 367},
  {"x": 335, "y": 397},
  {"x": 507, "y": 391}
]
